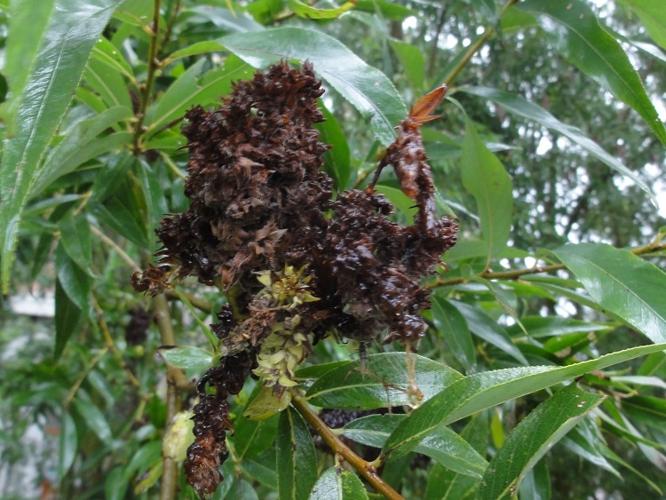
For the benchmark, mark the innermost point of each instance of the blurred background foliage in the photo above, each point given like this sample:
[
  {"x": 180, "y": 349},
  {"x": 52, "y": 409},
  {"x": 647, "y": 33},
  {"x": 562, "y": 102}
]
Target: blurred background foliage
[{"x": 88, "y": 421}]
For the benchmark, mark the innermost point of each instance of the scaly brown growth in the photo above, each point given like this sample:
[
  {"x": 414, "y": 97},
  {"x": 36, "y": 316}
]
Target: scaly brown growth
[{"x": 300, "y": 266}]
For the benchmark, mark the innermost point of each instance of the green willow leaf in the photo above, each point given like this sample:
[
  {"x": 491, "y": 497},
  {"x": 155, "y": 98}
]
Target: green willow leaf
[
  {"x": 364, "y": 86},
  {"x": 577, "y": 33},
  {"x": 67, "y": 444},
  {"x": 337, "y": 160},
  {"x": 451, "y": 325},
  {"x": 622, "y": 283},
  {"x": 411, "y": 58},
  {"x": 82, "y": 143},
  {"x": 477, "y": 392},
  {"x": 442, "y": 445},
  {"x": 382, "y": 382},
  {"x": 532, "y": 438},
  {"x": 653, "y": 16},
  {"x": 522, "y": 107},
  {"x": 28, "y": 20},
  {"x": 67, "y": 316},
  {"x": 337, "y": 484},
  {"x": 444, "y": 484},
  {"x": 189, "y": 358},
  {"x": 77, "y": 241},
  {"x": 386, "y": 9},
  {"x": 484, "y": 176},
  {"x": 193, "y": 88},
  {"x": 302, "y": 9},
  {"x": 107, "y": 82},
  {"x": 72, "y": 30},
  {"x": 94, "y": 418},
  {"x": 74, "y": 281},
  {"x": 484, "y": 327},
  {"x": 296, "y": 457},
  {"x": 553, "y": 326}
]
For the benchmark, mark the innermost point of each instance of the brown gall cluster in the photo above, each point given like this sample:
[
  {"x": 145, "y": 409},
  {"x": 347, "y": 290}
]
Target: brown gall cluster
[{"x": 296, "y": 264}]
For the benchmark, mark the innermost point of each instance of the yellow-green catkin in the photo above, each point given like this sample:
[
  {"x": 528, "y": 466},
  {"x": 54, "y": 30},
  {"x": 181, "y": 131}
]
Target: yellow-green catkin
[{"x": 288, "y": 344}]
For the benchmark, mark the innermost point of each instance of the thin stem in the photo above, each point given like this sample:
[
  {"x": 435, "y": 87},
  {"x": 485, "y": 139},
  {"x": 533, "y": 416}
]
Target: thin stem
[
  {"x": 150, "y": 77},
  {"x": 655, "y": 246},
  {"x": 175, "y": 380},
  {"x": 121, "y": 253},
  {"x": 364, "y": 468},
  {"x": 198, "y": 302},
  {"x": 111, "y": 345},
  {"x": 473, "y": 48},
  {"x": 77, "y": 384},
  {"x": 163, "y": 317}
]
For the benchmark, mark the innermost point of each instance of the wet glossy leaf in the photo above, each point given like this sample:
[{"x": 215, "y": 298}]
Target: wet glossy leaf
[
  {"x": 74, "y": 281},
  {"x": 553, "y": 326},
  {"x": 94, "y": 419},
  {"x": 107, "y": 82},
  {"x": 653, "y": 17},
  {"x": 296, "y": 458},
  {"x": 532, "y": 438},
  {"x": 67, "y": 316},
  {"x": 192, "y": 88},
  {"x": 483, "y": 176},
  {"x": 382, "y": 382},
  {"x": 443, "y": 483},
  {"x": 338, "y": 484},
  {"x": 77, "y": 241},
  {"x": 479, "y": 391},
  {"x": 443, "y": 445},
  {"x": 302, "y": 9},
  {"x": 484, "y": 327},
  {"x": 623, "y": 283},
  {"x": 522, "y": 107},
  {"x": 365, "y": 87},
  {"x": 451, "y": 325},
  {"x": 385, "y": 8},
  {"x": 189, "y": 358},
  {"x": 576, "y": 32},
  {"x": 71, "y": 32},
  {"x": 67, "y": 444}
]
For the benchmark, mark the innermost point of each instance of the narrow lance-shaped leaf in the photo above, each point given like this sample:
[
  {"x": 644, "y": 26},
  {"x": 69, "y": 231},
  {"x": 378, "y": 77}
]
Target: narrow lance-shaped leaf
[
  {"x": 444, "y": 484},
  {"x": 623, "y": 283},
  {"x": 337, "y": 484},
  {"x": 296, "y": 457},
  {"x": 477, "y": 392},
  {"x": 522, "y": 107},
  {"x": 451, "y": 325},
  {"x": 653, "y": 16},
  {"x": 364, "y": 86},
  {"x": 72, "y": 30},
  {"x": 28, "y": 20},
  {"x": 383, "y": 381},
  {"x": 67, "y": 444},
  {"x": 302, "y": 9},
  {"x": 443, "y": 444},
  {"x": 532, "y": 438},
  {"x": 67, "y": 316},
  {"x": 489, "y": 330},
  {"x": 483, "y": 176},
  {"x": 576, "y": 32}
]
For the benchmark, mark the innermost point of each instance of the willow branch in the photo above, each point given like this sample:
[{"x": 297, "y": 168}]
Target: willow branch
[
  {"x": 655, "y": 246},
  {"x": 153, "y": 63},
  {"x": 175, "y": 379},
  {"x": 365, "y": 469},
  {"x": 488, "y": 32}
]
